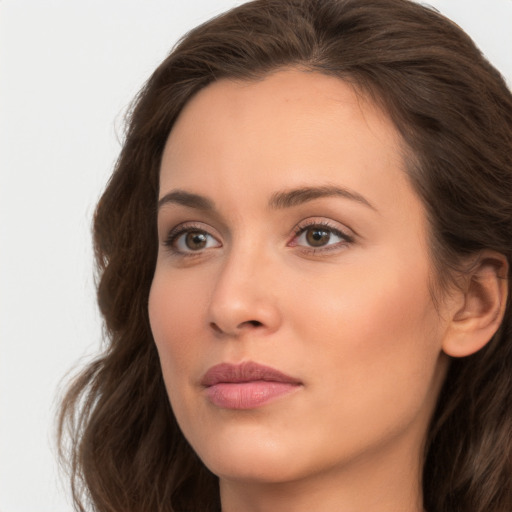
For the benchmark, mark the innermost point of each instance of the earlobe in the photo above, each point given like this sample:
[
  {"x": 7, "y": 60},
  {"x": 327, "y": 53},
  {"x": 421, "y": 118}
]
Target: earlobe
[{"x": 484, "y": 296}]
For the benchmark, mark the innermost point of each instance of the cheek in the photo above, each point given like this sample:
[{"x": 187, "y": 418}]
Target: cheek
[
  {"x": 376, "y": 337},
  {"x": 366, "y": 303},
  {"x": 174, "y": 314}
]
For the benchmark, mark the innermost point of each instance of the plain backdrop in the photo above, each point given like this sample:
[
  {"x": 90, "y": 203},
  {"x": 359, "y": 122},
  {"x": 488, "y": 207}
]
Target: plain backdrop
[{"x": 68, "y": 70}]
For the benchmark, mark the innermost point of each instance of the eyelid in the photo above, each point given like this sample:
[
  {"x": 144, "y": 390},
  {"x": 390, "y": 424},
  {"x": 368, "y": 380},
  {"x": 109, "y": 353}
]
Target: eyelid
[
  {"x": 346, "y": 234},
  {"x": 184, "y": 228}
]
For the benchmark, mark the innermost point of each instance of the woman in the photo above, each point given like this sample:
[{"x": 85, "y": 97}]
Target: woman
[{"x": 304, "y": 261}]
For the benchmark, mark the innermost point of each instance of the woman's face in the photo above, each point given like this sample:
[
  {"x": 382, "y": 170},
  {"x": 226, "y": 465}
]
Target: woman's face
[{"x": 290, "y": 237}]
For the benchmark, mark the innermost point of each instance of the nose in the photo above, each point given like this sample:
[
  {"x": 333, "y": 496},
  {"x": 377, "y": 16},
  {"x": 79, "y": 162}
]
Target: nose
[{"x": 244, "y": 299}]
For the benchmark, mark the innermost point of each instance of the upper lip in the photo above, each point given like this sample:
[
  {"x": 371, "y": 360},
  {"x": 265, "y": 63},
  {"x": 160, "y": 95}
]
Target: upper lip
[{"x": 244, "y": 372}]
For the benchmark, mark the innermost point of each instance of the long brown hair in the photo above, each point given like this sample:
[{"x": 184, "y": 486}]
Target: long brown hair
[{"x": 454, "y": 112}]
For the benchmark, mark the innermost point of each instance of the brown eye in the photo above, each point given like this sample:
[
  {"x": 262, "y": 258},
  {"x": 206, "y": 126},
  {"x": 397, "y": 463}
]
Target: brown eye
[
  {"x": 196, "y": 240},
  {"x": 317, "y": 237},
  {"x": 321, "y": 237},
  {"x": 190, "y": 240}
]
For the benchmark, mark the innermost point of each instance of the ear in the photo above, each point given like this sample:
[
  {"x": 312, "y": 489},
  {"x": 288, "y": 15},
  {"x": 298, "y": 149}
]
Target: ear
[{"x": 480, "y": 305}]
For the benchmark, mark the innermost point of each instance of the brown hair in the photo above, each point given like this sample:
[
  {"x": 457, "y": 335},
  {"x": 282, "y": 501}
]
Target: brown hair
[{"x": 454, "y": 113}]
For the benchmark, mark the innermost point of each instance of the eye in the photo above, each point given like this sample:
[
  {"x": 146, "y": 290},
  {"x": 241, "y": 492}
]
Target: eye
[
  {"x": 187, "y": 240},
  {"x": 320, "y": 235},
  {"x": 316, "y": 237}
]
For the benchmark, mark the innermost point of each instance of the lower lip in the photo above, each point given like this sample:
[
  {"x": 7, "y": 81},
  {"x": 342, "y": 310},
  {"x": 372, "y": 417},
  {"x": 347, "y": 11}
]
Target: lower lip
[{"x": 247, "y": 395}]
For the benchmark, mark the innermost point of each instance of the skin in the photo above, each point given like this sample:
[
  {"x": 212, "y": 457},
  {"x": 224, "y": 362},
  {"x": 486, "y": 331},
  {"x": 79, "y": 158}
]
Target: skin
[{"x": 353, "y": 320}]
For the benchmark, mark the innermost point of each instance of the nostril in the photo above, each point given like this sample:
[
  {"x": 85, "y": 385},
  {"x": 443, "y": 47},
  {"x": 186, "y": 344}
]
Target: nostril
[
  {"x": 215, "y": 327},
  {"x": 248, "y": 324}
]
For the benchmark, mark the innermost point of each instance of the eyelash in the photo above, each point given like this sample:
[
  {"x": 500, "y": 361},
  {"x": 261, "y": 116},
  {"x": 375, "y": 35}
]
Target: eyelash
[
  {"x": 325, "y": 226},
  {"x": 176, "y": 233},
  {"x": 184, "y": 229}
]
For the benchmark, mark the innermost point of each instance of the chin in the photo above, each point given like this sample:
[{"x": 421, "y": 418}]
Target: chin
[{"x": 253, "y": 456}]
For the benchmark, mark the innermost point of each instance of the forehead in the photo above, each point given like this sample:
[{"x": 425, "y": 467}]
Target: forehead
[{"x": 292, "y": 128}]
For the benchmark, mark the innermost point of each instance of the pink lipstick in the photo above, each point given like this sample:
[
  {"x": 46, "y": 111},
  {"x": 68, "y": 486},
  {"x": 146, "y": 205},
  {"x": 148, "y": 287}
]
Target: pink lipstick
[{"x": 246, "y": 386}]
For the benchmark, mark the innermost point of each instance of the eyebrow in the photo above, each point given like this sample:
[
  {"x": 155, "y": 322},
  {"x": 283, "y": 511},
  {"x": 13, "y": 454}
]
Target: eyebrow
[
  {"x": 186, "y": 199},
  {"x": 294, "y": 197},
  {"x": 279, "y": 200}
]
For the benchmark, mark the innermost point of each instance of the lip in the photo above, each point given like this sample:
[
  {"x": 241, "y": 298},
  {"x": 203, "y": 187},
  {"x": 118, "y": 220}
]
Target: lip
[{"x": 247, "y": 385}]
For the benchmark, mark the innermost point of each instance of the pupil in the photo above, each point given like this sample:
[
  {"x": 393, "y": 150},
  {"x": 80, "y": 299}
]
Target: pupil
[
  {"x": 195, "y": 240},
  {"x": 318, "y": 237}
]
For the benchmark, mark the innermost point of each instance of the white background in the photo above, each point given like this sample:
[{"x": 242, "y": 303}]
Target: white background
[{"x": 68, "y": 69}]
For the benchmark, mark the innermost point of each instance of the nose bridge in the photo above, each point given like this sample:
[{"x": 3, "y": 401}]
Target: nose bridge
[{"x": 243, "y": 297}]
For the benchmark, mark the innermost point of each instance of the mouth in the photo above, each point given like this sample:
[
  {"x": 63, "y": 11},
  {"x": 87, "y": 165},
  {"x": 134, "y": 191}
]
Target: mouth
[{"x": 246, "y": 386}]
